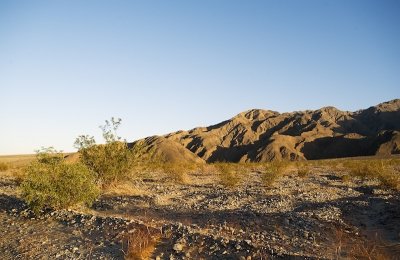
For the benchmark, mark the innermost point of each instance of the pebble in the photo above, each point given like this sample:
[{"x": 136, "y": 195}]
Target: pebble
[{"x": 178, "y": 247}]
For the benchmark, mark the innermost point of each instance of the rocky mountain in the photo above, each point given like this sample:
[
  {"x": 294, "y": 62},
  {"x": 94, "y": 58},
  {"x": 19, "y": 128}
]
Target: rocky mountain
[{"x": 262, "y": 135}]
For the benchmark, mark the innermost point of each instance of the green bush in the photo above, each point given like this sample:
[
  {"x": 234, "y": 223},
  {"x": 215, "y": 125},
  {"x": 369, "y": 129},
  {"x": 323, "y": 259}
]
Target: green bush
[
  {"x": 110, "y": 161},
  {"x": 53, "y": 183}
]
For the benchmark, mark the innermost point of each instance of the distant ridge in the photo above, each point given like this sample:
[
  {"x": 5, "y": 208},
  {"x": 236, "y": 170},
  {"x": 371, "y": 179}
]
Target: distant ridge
[{"x": 260, "y": 135}]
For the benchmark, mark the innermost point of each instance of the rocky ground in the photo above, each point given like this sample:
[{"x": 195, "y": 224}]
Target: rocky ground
[{"x": 318, "y": 216}]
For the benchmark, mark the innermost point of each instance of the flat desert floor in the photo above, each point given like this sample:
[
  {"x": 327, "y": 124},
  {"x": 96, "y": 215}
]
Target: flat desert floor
[{"x": 317, "y": 215}]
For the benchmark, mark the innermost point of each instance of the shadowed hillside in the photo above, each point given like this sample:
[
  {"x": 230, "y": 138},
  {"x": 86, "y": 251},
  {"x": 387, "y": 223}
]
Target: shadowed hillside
[{"x": 263, "y": 135}]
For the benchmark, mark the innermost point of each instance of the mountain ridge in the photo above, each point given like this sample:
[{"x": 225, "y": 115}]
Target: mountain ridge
[{"x": 258, "y": 135}]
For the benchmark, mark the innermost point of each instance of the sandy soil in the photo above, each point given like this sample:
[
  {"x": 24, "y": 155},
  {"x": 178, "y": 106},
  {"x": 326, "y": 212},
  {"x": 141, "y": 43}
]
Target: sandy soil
[{"x": 318, "y": 216}]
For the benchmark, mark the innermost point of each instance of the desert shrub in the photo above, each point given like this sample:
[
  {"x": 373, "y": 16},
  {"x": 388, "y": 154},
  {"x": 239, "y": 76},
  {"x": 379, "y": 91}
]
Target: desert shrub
[
  {"x": 145, "y": 159},
  {"x": 346, "y": 178},
  {"x": 368, "y": 246},
  {"x": 272, "y": 171},
  {"x": 178, "y": 172},
  {"x": 303, "y": 172},
  {"x": 207, "y": 169},
  {"x": 52, "y": 183},
  {"x": 3, "y": 166},
  {"x": 140, "y": 243},
  {"x": 390, "y": 178},
  {"x": 126, "y": 188},
  {"x": 385, "y": 171},
  {"x": 359, "y": 169},
  {"x": 110, "y": 161},
  {"x": 230, "y": 174}
]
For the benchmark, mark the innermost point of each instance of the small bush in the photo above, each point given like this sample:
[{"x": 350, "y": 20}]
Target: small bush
[
  {"x": 140, "y": 243},
  {"x": 272, "y": 171},
  {"x": 390, "y": 178},
  {"x": 302, "y": 172},
  {"x": 346, "y": 178},
  {"x": 178, "y": 172},
  {"x": 230, "y": 173},
  {"x": 3, "y": 166},
  {"x": 385, "y": 171},
  {"x": 207, "y": 169},
  {"x": 52, "y": 183},
  {"x": 368, "y": 246},
  {"x": 111, "y": 161}
]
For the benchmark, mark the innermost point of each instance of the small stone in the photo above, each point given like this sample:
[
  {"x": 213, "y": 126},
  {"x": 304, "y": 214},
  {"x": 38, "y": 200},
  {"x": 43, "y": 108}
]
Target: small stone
[{"x": 178, "y": 247}]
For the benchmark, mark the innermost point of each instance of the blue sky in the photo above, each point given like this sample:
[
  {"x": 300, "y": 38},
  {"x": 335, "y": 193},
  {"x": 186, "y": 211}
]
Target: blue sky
[{"x": 162, "y": 66}]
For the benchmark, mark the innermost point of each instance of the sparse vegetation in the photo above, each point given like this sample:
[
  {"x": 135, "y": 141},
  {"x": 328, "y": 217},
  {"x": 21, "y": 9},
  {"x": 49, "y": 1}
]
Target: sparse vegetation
[
  {"x": 52, "y": 183},
  {"x": 178, "y": 172},
  {"x": 272, "y": 171},
  {"x": 110, "y": 161},
  {"x": 385, "y": 171},
  {"x": 303, "y": 171},
  {"x": 3, "y": 166},
  {"x": 146, "y": 198},
  {"x": 125, "y": 188},
  {"x": 346, "y": 178},
  {"x": 230, "y": 174},
  {"x": 140, "y": 243},
  {"x": 370, "y": 246}
]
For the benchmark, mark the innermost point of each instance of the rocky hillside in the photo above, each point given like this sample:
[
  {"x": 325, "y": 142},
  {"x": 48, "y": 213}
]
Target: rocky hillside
[{"x": 263, "y": 135}]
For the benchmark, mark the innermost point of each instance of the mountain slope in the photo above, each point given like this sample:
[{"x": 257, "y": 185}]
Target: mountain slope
[
  {"x": 167, "y": 150},
  {"x": 263, "y": 135}
]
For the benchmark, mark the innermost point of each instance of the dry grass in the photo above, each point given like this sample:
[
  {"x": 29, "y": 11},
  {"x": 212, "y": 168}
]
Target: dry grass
[
  {"x": 369, "y": 247},
  {"x": 125, "y": 188},
  {"x": 230, "y": 174},
  {"x": 4, "y": 166},
  {"x": 11, "y": 171},
  {"x": 303, "y": 170},
  {"x": 207, "y": 169},
  {"x": 178, "y": 172},
  {"x": 272, "y": 171},
  {"x": 18, "y": 160},
  {"x": 346, "y": 178},
  {"x": 140, "y": 243},
  {"x": 386, "y": 171}
]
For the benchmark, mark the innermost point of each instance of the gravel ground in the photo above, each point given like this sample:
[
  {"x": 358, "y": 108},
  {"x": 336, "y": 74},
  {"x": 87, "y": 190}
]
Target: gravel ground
[{"x": 314, "y": 217}]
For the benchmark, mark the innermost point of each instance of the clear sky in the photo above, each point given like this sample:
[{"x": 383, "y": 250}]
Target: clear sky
[{"x": 162, "y": 66}]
